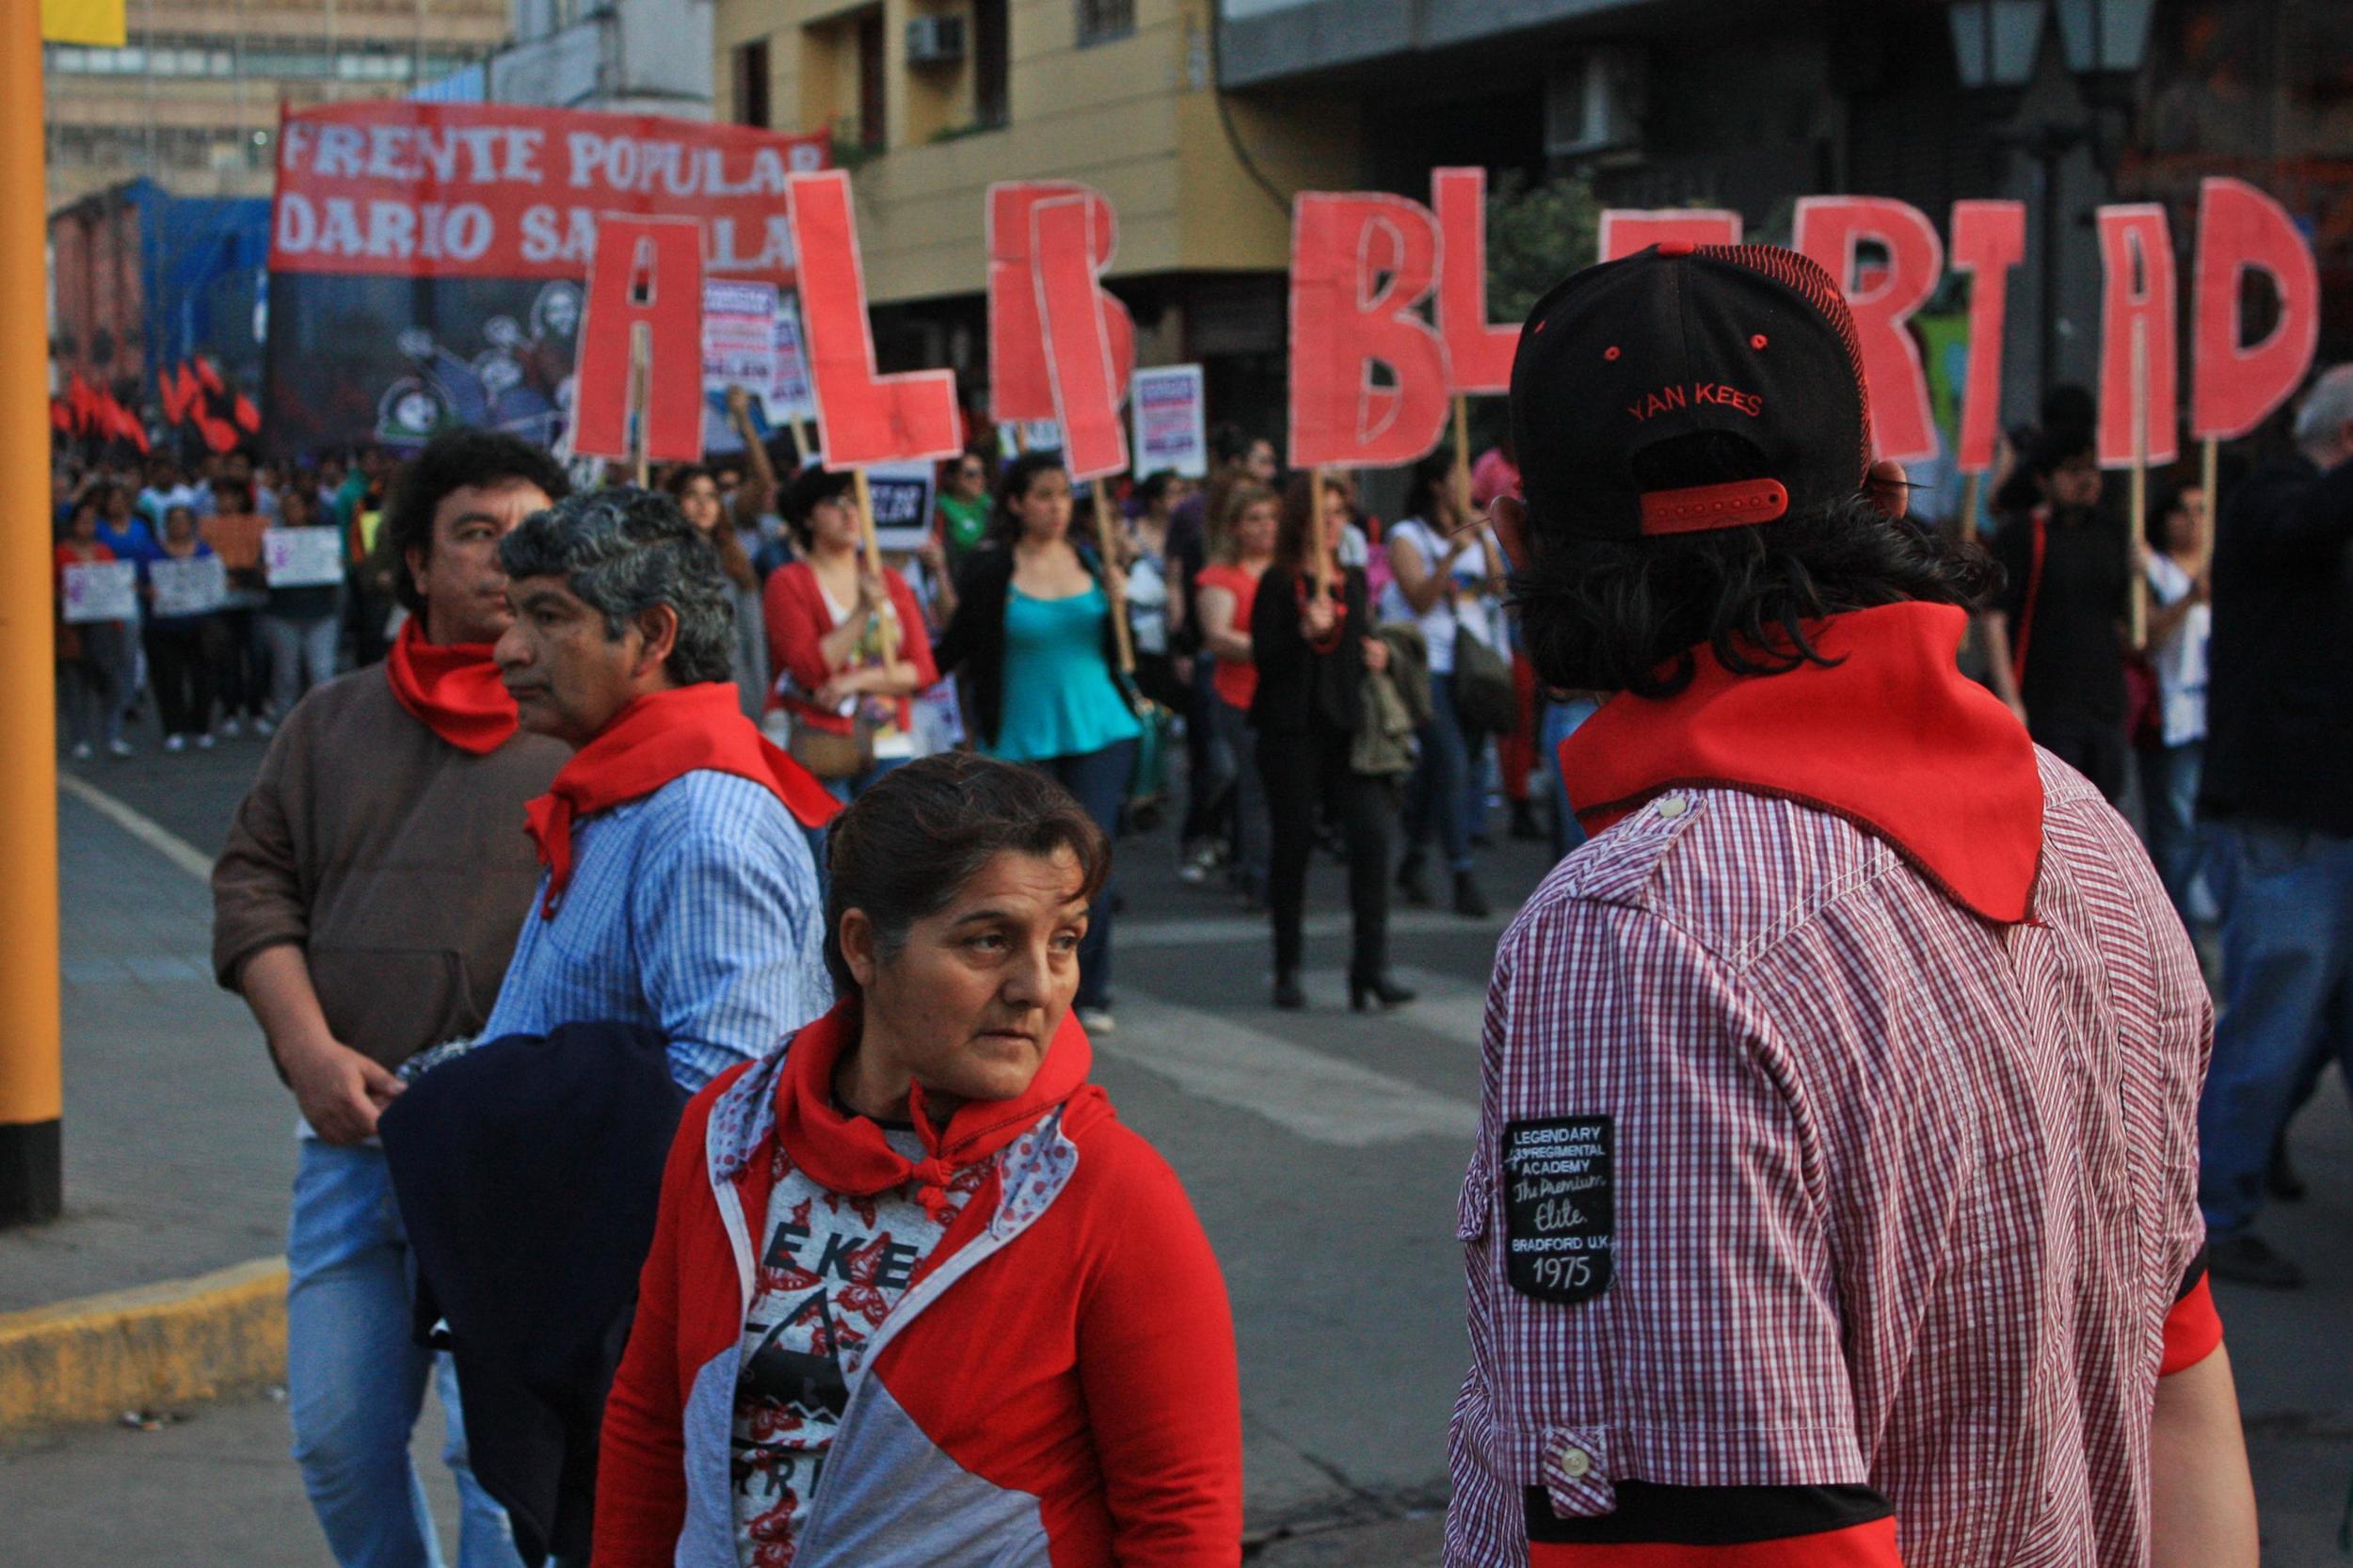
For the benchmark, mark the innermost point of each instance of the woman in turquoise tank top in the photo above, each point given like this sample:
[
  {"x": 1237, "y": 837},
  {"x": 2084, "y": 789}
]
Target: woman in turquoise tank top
[{"x": 1031, "y": 638}]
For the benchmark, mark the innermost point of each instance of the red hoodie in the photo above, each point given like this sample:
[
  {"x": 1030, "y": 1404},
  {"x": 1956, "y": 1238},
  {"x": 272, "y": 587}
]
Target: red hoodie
[{"x": 1057, "y": 1386}]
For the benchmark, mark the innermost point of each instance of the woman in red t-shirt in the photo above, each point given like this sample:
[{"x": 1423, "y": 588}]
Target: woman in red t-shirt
[
  {"x": 1242, "y": 546},
  {"x": 851, "y": 719},
  {"x": 92, "y": 656}
]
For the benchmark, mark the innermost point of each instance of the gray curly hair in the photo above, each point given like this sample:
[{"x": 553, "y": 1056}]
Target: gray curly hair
[{"x": 624, "y": 550}]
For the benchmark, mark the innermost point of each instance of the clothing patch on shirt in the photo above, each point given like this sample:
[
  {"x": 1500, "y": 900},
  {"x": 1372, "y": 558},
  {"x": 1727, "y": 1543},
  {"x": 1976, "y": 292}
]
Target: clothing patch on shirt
[{"x": 1557, "y": 1206}]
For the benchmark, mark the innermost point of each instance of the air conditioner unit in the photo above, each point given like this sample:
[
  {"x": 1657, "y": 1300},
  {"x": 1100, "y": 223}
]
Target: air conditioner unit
[
  {"x": 1593, "y": 103},
  {"x": 935, "y": 39}
]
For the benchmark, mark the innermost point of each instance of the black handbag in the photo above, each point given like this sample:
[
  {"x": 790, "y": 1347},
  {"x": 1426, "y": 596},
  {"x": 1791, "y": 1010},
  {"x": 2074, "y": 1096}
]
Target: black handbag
[{"x": 1485, "y": 701}]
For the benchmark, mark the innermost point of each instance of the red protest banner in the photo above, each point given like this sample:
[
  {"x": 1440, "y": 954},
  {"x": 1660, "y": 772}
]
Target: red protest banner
[
  {"x": 1020, "y": 382},
  {"x": 496, "y": 190},
  {"x": 2136, "y": 333},
  {"x": 1626, "y": 229},
  {"x": 1078, "y": 346},
  {"x": 649, "y": 278},
  {"x": 1478, "y": 355},
  {"x": 1343, "y": 327},
  {"x": 2237, "y": 384},
  {"x": 1831, "y": 230},
  {"x": 1989, "y": 241},
  {"x": 862, "y": 417}
]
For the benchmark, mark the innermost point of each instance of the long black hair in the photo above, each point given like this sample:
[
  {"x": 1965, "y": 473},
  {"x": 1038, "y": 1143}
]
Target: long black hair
[
  {"x": 1005, "y": 525},
  {"x": 1631, "y": 615}
]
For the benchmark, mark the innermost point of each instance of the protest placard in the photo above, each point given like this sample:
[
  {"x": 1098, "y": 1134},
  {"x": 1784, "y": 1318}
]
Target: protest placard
[
  {"x": 302, "y": 557},
  {"x": 903, "y": 499},
  {"x": 193, "y": 586},
  {"x": 100, "y": 590},
  {"x": 1171, "y": 420}
]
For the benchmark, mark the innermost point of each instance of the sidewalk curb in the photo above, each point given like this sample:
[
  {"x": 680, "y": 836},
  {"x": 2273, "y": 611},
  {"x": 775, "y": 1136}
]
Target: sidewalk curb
[{"x": 91, "y": 1359}]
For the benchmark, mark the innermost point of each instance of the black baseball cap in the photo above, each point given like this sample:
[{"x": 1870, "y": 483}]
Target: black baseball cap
[{"x": 1748, "y": 340}]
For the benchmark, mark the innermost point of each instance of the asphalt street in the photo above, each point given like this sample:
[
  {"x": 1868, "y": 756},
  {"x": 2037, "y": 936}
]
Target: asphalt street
[{"x": 1323, "y": 1150}]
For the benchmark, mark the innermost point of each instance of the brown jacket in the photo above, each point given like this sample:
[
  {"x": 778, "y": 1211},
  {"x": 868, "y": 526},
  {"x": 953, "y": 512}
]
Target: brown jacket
[{"x": 397, "y": 862}]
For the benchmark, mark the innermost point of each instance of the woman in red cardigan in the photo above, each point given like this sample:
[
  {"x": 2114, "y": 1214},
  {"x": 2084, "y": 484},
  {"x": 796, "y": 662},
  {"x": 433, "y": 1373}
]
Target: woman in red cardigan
[
  {"x": 914, "y": 1295},
  {"x": 851, "y": 719}
]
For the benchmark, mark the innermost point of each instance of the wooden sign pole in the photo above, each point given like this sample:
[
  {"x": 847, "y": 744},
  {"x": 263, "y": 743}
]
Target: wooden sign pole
[
  {"x": 2138, "y": 523},
  {"x": 2209, "y": 477},
  {"x": 869, "y": 544},
  {"x": 1461, "y": 456},
  {"x": 1320, "y": 530},
  {"x": 1106, "y": 540},
  {"x": 640, "y": 381}
]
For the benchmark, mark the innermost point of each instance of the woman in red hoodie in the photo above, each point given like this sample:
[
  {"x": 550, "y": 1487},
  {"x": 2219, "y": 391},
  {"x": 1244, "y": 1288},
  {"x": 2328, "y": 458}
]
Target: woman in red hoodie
[{"x": 914, "y": 1295}]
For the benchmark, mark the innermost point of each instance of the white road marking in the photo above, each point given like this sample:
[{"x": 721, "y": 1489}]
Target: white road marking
[
  {"x": 1305, "y": 1092},
  {"x": 145, "y": 829}
]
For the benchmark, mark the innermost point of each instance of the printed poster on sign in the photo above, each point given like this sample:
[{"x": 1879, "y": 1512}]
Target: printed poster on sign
[
  {"x": 739, "y": 350},
  {"x": 100, "y": 590},
  {"x": 302, "y": 557},
  {"x": 191, "y": 588},
  {"x": 903, "y": 503},
  {"x": 789, "y": 393},
  {"x": 1171, "y": 427}
]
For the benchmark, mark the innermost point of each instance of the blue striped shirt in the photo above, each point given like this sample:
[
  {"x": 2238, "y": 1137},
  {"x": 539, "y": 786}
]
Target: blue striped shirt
[{"x": 695, "y": 911}]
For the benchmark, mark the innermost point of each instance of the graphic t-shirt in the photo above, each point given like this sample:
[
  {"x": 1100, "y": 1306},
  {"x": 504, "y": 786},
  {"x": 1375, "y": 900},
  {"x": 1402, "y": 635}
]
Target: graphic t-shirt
[{"x": 831, "y": 1270}]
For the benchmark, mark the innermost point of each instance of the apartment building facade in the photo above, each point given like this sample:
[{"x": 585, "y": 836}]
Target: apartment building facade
[{"x": 191, "y": 102}]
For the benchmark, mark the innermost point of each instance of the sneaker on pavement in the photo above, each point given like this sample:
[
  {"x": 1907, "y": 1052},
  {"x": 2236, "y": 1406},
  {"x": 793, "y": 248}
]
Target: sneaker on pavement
[
  {"x": 1097, "y": 1020},
  {"x": 263, "y": 727},
  {"x": 2248, "y": 1260},
  {"x": 230, "y": 730},
  {"x": 204, "y": 742},
  {"x": 81, "y": 751},
  {"x": 119, "y": 746},
  {"x": 175, "y": 742}
]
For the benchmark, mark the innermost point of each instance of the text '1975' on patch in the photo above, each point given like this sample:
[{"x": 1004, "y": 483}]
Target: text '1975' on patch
[{"x": 1557, "y": 1208}]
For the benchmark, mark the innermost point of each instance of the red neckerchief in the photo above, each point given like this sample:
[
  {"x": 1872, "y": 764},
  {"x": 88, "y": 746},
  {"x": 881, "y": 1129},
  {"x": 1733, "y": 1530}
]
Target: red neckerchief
[
  {"x": 1893, "y": 738},
  {"x": 849, "y": 1155},
  {"x": 655, "y": 739},
  {"x": 452, "y": 688}
]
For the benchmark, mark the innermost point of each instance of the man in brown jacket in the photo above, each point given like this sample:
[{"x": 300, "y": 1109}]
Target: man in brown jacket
[{"x": 366, "y": 907}]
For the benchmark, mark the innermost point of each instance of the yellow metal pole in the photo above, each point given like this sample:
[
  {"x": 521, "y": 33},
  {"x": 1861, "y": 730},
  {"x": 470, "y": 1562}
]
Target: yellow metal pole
[{"x": 32, "y": 1087}]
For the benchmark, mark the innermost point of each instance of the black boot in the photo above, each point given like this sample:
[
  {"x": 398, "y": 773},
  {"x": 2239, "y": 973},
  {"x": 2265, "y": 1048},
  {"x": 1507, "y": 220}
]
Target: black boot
[
  {"x": 1524, "y": 822},
  {"x": 1288, "y": 995},
  {"x": 1410, "y": 882},
  {"x": 1364, "y": 989},
  {"x": 2282, "y": 1179},
  {"x": 1468, "y": 900}
]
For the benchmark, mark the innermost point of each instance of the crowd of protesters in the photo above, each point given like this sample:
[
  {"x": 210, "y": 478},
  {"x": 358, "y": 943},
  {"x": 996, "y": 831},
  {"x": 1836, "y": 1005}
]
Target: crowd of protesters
[{"x": 730, "y": 664}]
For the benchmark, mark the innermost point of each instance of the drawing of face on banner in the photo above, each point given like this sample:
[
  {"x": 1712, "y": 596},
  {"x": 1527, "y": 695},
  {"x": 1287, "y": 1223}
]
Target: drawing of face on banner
[
  {"x": 1478, "y": 355},
  {"x": 2136, "y": 297},
  {"x": 647, "y": 277},
  {"x": 862, "y": 416},
  {"x": 1831, "y": 230},
  {"x": 1368, "y": 375},
  {"x": 1020, "y": 383},
  {"x": 1989, "y": 241},
  {"x": 1626, "y": 229},
  {"x": 2238, "y": 384},
  {"x": 1078, "y": 346}
]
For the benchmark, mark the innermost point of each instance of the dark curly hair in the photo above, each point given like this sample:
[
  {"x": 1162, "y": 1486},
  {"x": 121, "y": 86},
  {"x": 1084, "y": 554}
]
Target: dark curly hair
[
  {"x": 453, "y": 461},
  {"x": 622, "y": 552},
  {"x": 1631, "y": 615}
]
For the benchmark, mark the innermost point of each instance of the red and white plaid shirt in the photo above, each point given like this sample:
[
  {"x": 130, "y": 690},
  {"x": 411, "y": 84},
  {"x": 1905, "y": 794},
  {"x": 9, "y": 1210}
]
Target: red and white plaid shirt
[{"x": 1902, "y": 1196}]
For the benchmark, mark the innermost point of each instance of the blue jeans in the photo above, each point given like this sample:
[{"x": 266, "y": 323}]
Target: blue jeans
[
  {"x": 354, "y": 1375},
  {"x": 1099, "y": 779},
  {"x": 1434, "y": 790},
  {"x": 1559, "y": 722},
  {"x": 2287, "y": 1002},
  {"x": 2168, "y": 798}
]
